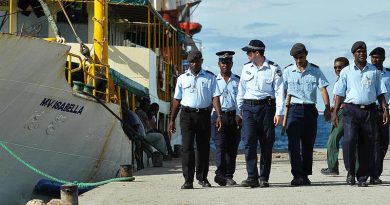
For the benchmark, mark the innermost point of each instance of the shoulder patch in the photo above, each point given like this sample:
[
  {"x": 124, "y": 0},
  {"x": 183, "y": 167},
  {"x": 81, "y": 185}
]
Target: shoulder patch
[
  {"x": 209, "y": 72},
  {"x": 237, "y": 76},
  {"x": 289, "y": 65},
  {"x": 278, "y": 72},
  {"x": 314, "y": 65},
  {"x": 272, "y": 63}
]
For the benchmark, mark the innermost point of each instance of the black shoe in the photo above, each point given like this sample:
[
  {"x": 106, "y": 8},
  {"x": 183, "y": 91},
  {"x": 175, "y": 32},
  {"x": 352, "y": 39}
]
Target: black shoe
[
  {"x": 221, "y": 181},
  {"x": 167, "y": 157},
  {"x": 327, "y": 171},
  {"x": 362, "y": 184},
  {"x": 306, "y": 181},
  {"x": 187, "y": 185},
  {"x": 252, "y": 183},
  {"x": 204, "y": 183},
  {"x": 174, "y": 155},
  {"x": 375, "y": 181},
  {"x": 297, "y": 181},
  {"x": 350, "y": 179},
  {"x": 264, "y": 184},
  {"x": 230, "y": 182}
]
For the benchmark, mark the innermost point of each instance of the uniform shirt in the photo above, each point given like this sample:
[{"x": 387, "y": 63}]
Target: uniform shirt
[
  {"x": 360, "y": 86},
  {"x": 334, "y": 95},
  {"x": 386, "y": 82},
  {"x": 228, "y": 92},
  {"x": 196, "y": 91},
  {"x": 260, "y": 83},
  {"x": 302, "y": 86}
]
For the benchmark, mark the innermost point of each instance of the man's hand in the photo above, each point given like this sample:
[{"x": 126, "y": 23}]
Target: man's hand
[
  {"x": 172, "y": 127},
  {"x": 335, "y": 119},
  {"x": 385, "y": 117},
  {"x": 327, "y": 115},
  {"x": 277, "y": 120},
  {"x": 218, "y": 123},
  {"x": 238, "y": 120}
]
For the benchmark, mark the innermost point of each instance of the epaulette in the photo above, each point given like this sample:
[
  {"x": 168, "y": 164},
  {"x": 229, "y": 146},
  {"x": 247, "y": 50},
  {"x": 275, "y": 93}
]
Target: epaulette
[
  {"x": 272, "y": 63},
  {"x": 314, "y": 65},
  {"x": 288, "y": 65},
  {"x": 237, "y": 76},
  {"x": 387, "y": 69},
  {"x": 209, "y": 72},
  {"x": 248, "y": 62}
]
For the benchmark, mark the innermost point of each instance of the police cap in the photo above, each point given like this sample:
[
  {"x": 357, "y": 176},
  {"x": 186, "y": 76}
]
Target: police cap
[
  {"x": 194, "y": 55},
  {"x": 225, "y": 55},
  {"x": 254, "y": 45},
  {"x": 357, "y": 45},
  {"x": 378, "y": 51},
  {"x": 298, "y": 48}
]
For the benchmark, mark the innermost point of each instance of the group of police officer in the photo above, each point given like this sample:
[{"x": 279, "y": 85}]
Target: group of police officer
[{"x": 254, "y": 105}]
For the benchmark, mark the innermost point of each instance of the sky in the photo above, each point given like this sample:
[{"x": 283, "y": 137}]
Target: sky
[{"x": 327, "y": 28}]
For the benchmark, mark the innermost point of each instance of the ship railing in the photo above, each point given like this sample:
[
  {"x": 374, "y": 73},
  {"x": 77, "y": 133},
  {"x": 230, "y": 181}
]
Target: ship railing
[
  {"x": 95, "y": 74},
  {"x": 70, "y": 68}
]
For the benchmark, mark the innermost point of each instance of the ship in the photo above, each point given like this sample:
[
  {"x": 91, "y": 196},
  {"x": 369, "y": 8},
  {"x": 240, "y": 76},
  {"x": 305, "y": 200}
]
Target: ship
[{"x": 67, "y": 71}]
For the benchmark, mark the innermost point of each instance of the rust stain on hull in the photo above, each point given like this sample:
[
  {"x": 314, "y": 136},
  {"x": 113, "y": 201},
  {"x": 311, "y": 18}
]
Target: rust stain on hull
[{"x": 108, "y": 136}]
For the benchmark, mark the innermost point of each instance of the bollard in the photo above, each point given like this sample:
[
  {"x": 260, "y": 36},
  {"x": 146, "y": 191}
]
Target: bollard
[
  {"x": 126, "y": 170},
  {"x": 157, "y": 159},
  {"x": 177, "y": 149},
  {"x": 69, "y": 193}
]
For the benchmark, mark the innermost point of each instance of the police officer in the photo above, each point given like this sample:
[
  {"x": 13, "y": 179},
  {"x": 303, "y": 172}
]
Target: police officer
[
  {"x": 382, "y": 138},
  {"x": 301, "y": 81},
  {"x": 228, "y": 138},
  {"x": 359, "y": 86},
  {"x": 260, "y": 104},
  {"x": 195, "y": 90},
  {"x": 336, "y": 133}
]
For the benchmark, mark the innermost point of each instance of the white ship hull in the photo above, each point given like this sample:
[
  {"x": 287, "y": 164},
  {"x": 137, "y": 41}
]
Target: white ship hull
[{"x": 45, "y": 124}]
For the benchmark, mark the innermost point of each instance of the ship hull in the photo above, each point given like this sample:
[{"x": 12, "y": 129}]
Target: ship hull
[{"x": 44, "y": 123}]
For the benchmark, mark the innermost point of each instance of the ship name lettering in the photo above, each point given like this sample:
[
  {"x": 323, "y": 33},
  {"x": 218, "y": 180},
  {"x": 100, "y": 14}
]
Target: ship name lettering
[{"x": 62, "y": 106}]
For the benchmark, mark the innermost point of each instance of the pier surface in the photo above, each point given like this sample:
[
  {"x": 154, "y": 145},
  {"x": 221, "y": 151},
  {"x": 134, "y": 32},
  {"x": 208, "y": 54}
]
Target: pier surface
[{"x": 162, "y": 186}]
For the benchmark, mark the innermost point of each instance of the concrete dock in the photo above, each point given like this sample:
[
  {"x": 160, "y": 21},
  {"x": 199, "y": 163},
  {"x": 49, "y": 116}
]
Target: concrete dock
[{"x": 162, "y": 186}]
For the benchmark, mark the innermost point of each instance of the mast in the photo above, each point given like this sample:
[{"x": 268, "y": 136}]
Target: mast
[{"x": 100, "y": 43}]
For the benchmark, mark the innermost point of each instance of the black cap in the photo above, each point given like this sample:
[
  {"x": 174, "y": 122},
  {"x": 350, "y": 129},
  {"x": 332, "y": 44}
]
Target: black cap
[
  {"x": 298, "y": 48},
  {"x": 254, "y": 45},
  {"x": 378, "y": 51},
  {"x": 225, "y": 55},
  {"x": 357, "y": 45},
  {"x": 194, "y": 55}
]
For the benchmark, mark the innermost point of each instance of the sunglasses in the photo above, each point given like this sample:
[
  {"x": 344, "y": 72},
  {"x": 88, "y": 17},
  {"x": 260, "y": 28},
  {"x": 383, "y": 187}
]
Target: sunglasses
[{"x": 338, "y": 67}]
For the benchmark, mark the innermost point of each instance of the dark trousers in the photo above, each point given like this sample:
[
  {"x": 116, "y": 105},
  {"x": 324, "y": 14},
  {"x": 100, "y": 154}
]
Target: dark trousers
[
  {"x": 258, "y": 125},
  {"x": 381, "y": 145},
  {"x": 226, "y": 141},
  {"x": 195, "y": 126},
  {"x": 302, "y": 132},
  {"x": 332, "y": 151},
  {"x": 359, "y": 132}
]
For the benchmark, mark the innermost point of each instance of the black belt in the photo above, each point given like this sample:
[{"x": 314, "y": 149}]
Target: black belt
[
  {"x": 190, "y": 109},
  {"x": 264, "y": 101},
  {"x": 232, "y": 112},
  {"x": 302, "y": 105},
  {"x": 364, "y": 107}
]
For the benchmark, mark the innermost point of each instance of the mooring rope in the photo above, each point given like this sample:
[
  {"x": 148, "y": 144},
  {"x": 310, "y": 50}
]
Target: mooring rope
[{"x": 79, "y": 184}]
